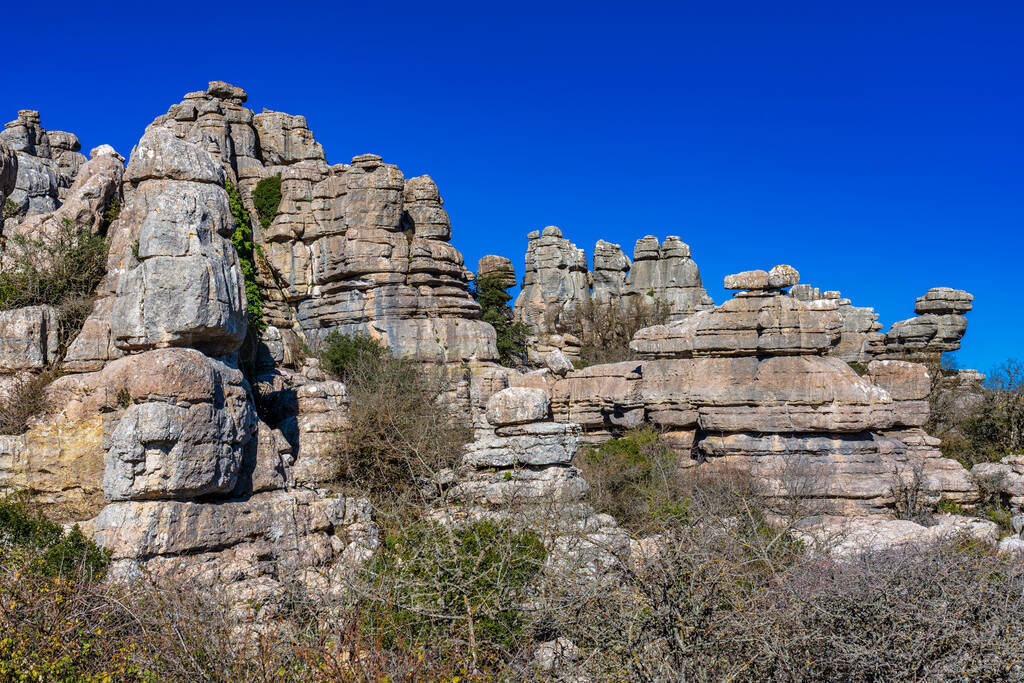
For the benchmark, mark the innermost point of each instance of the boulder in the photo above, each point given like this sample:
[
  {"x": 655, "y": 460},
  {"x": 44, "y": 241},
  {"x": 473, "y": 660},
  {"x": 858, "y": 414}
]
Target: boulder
[
  {"x": 29, "y": 338},
  {"x": 517, "y": 405}
]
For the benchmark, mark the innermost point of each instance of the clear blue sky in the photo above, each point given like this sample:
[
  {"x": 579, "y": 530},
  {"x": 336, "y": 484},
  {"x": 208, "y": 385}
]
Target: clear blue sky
[{"x": 877, "y": 147}]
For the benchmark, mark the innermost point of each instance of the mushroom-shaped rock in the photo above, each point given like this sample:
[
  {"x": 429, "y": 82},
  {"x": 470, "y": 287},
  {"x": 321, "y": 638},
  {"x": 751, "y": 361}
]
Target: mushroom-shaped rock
[
  {"x": 226, "y": 91},
  {"x": 517, "y": 405},
  {"x": 944, "y": 301}
]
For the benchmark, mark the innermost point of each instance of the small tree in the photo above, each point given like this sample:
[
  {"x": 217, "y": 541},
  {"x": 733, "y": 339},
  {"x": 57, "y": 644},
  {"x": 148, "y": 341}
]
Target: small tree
[
  {"x": 492, "y": 295},
  {"x": 266, "y": 197}
]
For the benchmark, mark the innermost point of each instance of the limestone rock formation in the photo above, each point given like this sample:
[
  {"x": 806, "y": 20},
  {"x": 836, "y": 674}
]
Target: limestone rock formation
[
  {"x": 47, "y": 164},
  {"x": 558, "y": 290},
  {"x": 519, "y": 468},
  {"x": 938, "y": 328},
  {"x": 354, "y": 247},
  {"x": 8, "y": 171},
  {"x": 499, "y": 267},
  {"x": 183, "y": 285},
  {"x": 751, "y": 384}
]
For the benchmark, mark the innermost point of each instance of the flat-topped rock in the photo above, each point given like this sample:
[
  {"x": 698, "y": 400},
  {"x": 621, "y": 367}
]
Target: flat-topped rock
[
  {"x": 226, "y": 91},
  {"x": 944, "y": 301},
  {"x": 499, "y": 267}
]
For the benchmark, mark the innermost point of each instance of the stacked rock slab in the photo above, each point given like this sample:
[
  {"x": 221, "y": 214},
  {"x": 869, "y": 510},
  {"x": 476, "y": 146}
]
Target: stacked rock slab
[
  {"x": 48, "y": 162},
  {"x": 354, "y": 247},
  {"x": 860, "y": 340},
  {"x": 558, "y": 289},
  {"x": 938, "y": 327},
  {"x": 519, "y": 468},
  {"x": 196, "y": 485},
  {"x": 751, "y": 385}
]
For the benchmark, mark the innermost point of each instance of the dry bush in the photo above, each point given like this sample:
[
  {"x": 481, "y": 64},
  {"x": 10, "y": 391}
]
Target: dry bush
[
  {"x": 22, "y": 399},
  {"x": 606, "y": 328},
  {"x": 402, "y": 432},
  {"x": 976, "y": 427}
]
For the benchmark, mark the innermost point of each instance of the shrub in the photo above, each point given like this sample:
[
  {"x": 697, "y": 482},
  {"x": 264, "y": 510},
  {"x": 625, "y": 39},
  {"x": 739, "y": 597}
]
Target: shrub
[
  {"x": 492, "y": 295},
  {"x": 60, "y": 270},
  {"x": 23, "y": 398},
  {"x": 857, "y": 367},
  {"x": 636, "y": 479},
  {"x": 112, "y": 212},
  {"x": 463, "y": 584},
  {"x": 247, "y": 250},
  {"x": 402, "y": 430},
  {"x": 342, "y": 354},
  {"x": 606, "y": 328},
  {"x": 43, "y": 546},
  {"x": 266, "y": 197},
  {"x": 10, "y": 210}
]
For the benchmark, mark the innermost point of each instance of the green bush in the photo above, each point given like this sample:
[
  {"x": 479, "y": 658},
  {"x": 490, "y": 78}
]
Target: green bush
[
  {"x": 247, "y": 250},
  {"x": 340, "y": 354},
  {"x": 10, "y": 210},
  {"x": 859, "y": 368},
  {"x": 433, "y": 582},
  {"x": 266, "y": 197},
  {"x": 636, "y": 479},
  {"x": 492, "y": 295},
  {"x": 44, "y": 546}
]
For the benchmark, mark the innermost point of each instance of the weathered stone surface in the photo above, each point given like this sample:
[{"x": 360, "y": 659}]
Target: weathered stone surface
[
  {"x": 61, "y": 465},
  {"x": 944, "y": 301},
  {"x": 558, "y": 363},
  {"x": 1005, "y": 477},
  {"x": 182, "y": 438},
  {"x": 664, "y": 273},
  {"x": 28, "y": 338},
  {"x": 246, "y": 544},
  {"x": 849, "y": 537},
  {"x": 532, "y": 445},
  {"x": 498, "y": 267},
  {"x": 517, "y": 405},
  {"x": 8, "y": 170},
  {"x": 183, "y": 284},
  {"x": 97, "y": 184},
  {"x": 748, "y": 279},
  {"x": 744, "y": 326}
]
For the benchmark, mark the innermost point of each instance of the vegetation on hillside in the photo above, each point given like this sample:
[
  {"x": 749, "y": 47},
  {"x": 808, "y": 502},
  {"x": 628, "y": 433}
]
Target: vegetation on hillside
[
  {"x": 978, "y": 427},
  {"x": 242, "y": 239}
]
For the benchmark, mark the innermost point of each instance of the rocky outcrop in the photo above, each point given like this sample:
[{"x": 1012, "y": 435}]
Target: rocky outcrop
[
  {"x": 354, "y": 247},
  {"x": 938, "y": 328},
  {"x": 518, "y": 468},
  {"x": 8, "y": 171},
  {"x": 497, "y": 267},
  {"x": 559, "y": 292},
  {"x": 183, "y": 284},
  {"x": 752, "y": 385},
  {"x": 47, "y": 165}
]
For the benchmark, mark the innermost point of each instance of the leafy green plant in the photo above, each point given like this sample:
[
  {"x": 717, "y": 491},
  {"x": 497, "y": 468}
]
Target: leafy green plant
[
  {"x": 859, "y": 368},
  {"x": 112, "y": 212},
  {"x": 266, "y": 197},
  {"x": 340, "y": 353},
  {"x": 636, "y": 479},
  {"x": 247, "y": 249},
  {"x": 439, "y": 582},
  {"x": 10, "y": 210},
  {"x": 492, "y": 295},
  {"x": 47, "y": 549}
]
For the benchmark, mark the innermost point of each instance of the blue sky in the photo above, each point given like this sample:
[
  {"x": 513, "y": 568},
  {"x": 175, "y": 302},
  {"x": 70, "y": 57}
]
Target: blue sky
[{"x": 876, "y": 147}]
